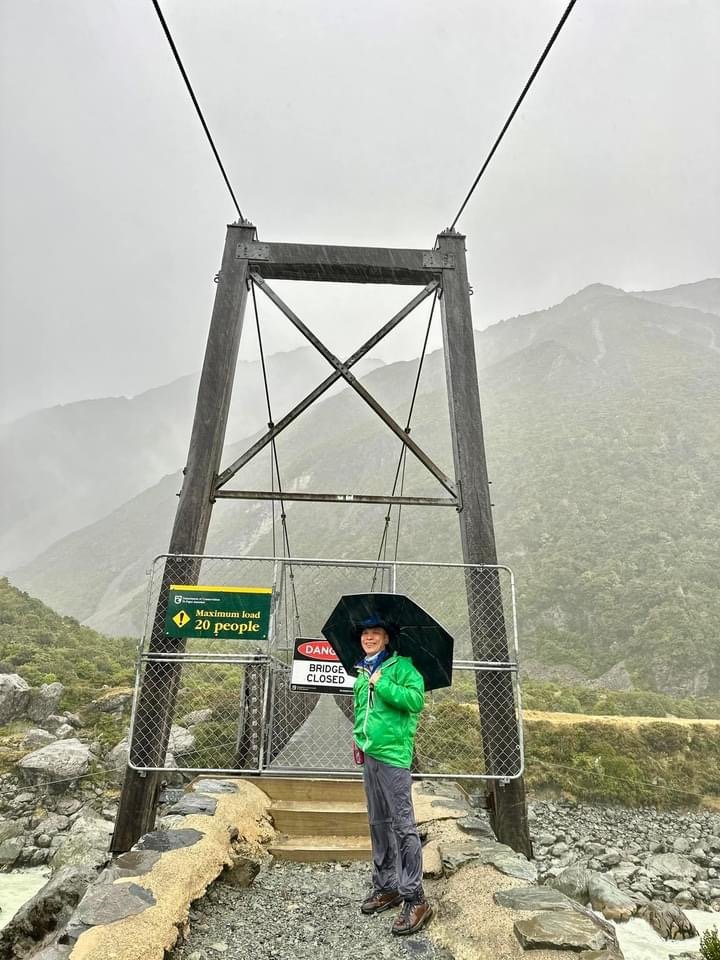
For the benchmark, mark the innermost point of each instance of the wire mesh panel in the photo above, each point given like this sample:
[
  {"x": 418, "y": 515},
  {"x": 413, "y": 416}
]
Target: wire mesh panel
[{"x": 224, "y": 703}]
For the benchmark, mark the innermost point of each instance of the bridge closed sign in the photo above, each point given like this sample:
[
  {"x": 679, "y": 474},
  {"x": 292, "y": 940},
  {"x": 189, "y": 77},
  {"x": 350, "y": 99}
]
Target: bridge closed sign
[
  {"x": 317, "y": 669},
  {"x": 229, "y": 613}
]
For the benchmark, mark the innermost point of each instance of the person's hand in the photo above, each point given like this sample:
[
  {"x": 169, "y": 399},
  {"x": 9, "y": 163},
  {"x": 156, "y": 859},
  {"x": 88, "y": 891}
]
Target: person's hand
[{"x": 375, "y": 677}]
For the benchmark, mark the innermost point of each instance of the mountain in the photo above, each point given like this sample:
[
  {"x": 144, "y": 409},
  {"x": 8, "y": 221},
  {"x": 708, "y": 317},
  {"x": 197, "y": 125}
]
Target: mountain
[
  {"x": 70, "y": 465},
  {"x": 601, "y": 420},
  {"x": 44, "y": 647},
  {"x": 703, "y": 296}
]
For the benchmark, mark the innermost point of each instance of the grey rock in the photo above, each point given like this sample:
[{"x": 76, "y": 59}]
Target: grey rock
[
  {"x": 194, "y": 803},
  {"x": 242, "y": 872},
  {"x": 45, "y": 701},
  {"x": 608, "y": 899},
  {"x": 196, "y": 716},
  {"x": 106, "y": 903},
  {"x": 57, "y": 765},
  {"x": 53, "y": 721},
  {"x": 65, "y": 731},
  {"x": 49, "y": 910},
  {"x": 573, "y": 882},
  {"x": 560, "y": 931},
  {"x": 10, "y": 829},
  {"x": 68, "y": 806},
  {"x": 168, "y": 839},
  {"x": 36, "y": 738},
  {"x": 116, "y": 702},
  {"x": 14, "y": 697},
  {"x": 206, "y": 785},
  {"x": 131, "y": 864},
  {"x": 533, "y": 898},
  {"x": 668, "y": 920},
  {"x": 514, "y": 865},
  {"x": 476, "y": 826},
  {"x": 87, "y": 841},
  {"x": 670, "y": 865},
  {"x": 73, "y": 719},
  {"x": 500, "y": 856},
  {"x": 181, "y": 741},
  {"x": 10, "y": 851},
  {"x": 53, "y": 824}
]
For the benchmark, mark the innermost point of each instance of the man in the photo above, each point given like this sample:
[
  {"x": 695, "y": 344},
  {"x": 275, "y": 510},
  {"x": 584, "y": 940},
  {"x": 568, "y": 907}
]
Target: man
[{"x": 389, "y": 695}]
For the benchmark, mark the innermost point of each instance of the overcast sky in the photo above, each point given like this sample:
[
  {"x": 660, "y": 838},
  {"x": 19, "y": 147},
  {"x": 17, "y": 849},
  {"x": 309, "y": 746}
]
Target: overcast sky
[{"x": 338, "y": 122}]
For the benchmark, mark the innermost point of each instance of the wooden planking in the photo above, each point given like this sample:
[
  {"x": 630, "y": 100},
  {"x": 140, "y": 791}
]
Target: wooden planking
[
  {"x": 319, "y": 819},
  {"x": 324, "y": 262},
  {"x": 309, "y": 788},
  {"x": 313, "y": 849}
]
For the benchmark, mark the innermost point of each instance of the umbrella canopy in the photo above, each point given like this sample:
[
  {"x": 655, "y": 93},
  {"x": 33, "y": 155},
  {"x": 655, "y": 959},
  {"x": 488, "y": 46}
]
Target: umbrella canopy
[{"x": 413, "y": 633}]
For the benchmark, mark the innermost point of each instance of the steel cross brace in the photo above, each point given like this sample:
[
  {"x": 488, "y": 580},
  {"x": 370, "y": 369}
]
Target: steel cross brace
[{"x": 341, "y": 371}]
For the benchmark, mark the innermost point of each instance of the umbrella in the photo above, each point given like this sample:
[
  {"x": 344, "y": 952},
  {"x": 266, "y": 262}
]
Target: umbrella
[{"x": 413, "y": 632}]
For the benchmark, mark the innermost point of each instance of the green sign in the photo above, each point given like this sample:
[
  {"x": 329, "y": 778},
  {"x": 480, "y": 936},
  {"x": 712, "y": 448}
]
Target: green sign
[{"x": 232, "y": 613}]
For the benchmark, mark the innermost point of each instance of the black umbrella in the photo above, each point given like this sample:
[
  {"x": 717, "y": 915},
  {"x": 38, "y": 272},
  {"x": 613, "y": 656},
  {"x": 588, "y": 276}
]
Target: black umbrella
[{"x": 413, "y": 633}]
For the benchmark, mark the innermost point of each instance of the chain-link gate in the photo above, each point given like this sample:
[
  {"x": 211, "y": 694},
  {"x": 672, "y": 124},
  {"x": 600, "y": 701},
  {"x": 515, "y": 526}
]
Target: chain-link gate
[{"x": 234, "y": 710}]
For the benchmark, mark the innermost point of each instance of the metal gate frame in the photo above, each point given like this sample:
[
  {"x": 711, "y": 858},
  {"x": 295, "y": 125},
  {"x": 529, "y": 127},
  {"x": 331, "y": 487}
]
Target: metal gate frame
[{"x": 272, "y": 667}]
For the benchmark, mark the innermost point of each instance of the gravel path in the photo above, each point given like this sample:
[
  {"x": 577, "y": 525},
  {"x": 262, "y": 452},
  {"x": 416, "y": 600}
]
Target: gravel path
[{"x": 295, "y": 911}]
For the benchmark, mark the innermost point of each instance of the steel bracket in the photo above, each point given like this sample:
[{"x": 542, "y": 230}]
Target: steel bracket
[
  {"x": 438, "y": 260},
  {"x": 251, "y": 250}
]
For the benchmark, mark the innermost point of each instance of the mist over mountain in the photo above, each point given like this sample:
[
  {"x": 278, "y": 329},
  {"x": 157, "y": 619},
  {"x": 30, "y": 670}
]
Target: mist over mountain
[
  {"x": 602, "y": 422},
  {"x": 69, "y": 465}
]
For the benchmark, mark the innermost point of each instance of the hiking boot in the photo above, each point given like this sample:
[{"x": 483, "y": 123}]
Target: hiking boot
[
  {"x": 379, "y": 901},
  {"x": 412, "y": 917}
]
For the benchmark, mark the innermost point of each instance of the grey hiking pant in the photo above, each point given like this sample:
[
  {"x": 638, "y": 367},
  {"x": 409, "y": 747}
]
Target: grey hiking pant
[{"x": 396, "y": 848}]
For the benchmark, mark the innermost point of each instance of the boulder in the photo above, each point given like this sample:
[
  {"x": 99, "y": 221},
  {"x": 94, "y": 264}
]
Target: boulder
[
  {"x": 669, "y": 920},
  {"x": 14, "y": 697},
  {"x": 608, "y": 899},
  {"x": 86, "y": 842},
  {"x": 573, "y": 882},
  {"x": 58, "y": 765},
  {"x": 533, "y": 898},
  {"x": 45, "y": 913},
  {"x": 36, "y": 738},
  {"x": 117, "y": 760},
  {"x": 106, "y": 903},
  {"x": 196, "y": 716},
  {"x": 181, "y": 741},
  {"x": 561, "y": 931},
  {"x": 64, "y": 731},
  {"x": 116, "y": 702},
  {"x": 432, "y": 860},
  {"x": 671, "y": 865},
  {"x": 54, "y": 722},
  {"x": 44, "y": 701},
  {"x": 10, "y": 850},
  {"x": 51, "y": 825}
]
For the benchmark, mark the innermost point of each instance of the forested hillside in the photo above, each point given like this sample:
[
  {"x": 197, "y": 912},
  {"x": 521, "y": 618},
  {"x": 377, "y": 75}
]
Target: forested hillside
[
  {"x": 602, "y": 422},
  {"x": 43, "y": 647}
]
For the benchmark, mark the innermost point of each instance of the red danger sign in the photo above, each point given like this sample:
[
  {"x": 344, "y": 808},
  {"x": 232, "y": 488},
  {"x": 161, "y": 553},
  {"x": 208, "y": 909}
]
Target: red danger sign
[
  {"x": 317, "y": 669},
  {"x": 315, "y": 650}
]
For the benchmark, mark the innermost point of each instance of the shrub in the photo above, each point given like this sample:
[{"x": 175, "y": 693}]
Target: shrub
[{"x": 710, "y": 945}]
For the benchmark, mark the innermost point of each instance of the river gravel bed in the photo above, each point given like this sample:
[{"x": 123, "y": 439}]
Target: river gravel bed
[{"x": 298, "y": 911}]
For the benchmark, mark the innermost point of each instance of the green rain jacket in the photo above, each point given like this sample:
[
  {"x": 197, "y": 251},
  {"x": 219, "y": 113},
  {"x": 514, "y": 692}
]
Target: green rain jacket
[{"x": 386, "y": 715}]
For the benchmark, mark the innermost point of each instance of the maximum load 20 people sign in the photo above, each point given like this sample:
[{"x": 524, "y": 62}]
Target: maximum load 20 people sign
[{"x": 316, "y": 668}]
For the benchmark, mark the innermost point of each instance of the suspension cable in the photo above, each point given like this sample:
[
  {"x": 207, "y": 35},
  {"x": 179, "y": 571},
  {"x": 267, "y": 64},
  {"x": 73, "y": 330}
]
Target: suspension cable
[
  {"x": 382, "y": 550},
  {"x": 515, "y": 109},
  {"x": 275, "y": 462},
  {"x": 185, "y": 77}
]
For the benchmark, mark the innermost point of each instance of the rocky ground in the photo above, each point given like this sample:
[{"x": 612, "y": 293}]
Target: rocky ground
[
  {"x": 301, "y": 911},
  {"x": 652, "y": 855}
]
